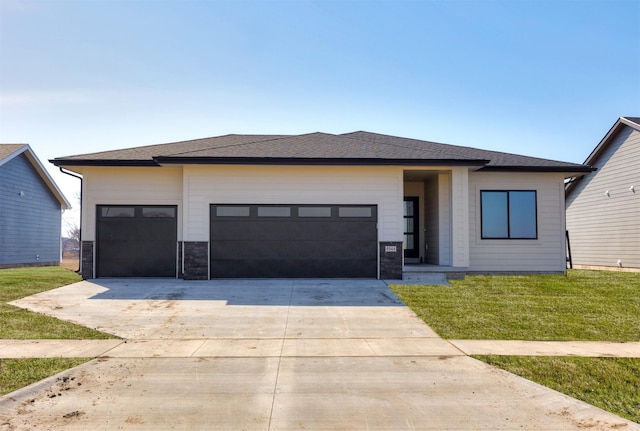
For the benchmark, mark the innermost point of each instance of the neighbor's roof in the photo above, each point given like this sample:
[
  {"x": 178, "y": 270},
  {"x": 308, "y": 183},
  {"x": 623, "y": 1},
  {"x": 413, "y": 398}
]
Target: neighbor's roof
[
  {"x": 10, "y": 151},
  {"x": 357, "y": 148},
  {"x": 620, "y": 124}
]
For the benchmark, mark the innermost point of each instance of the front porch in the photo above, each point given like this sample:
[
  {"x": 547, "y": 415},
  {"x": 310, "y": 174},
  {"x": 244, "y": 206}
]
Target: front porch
[
  {"x": 421, "y": 272},
  {"x": 436, "y": 223}
]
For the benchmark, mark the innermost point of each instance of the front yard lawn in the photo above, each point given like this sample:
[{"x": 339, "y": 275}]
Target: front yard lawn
[
  {"x": 17, "y": 323},
  {"x": 613, "y": 384},
  {"x": 18, "y": 373},
  {"x": 584, "y": 305},
  {"x": 20, "y": 324}
]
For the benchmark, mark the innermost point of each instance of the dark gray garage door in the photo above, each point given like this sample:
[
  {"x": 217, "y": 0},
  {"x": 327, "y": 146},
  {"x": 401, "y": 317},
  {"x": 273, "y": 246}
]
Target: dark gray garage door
[
  {"x": 136, "y": 241},
  {"x": 293, "y": 241}
]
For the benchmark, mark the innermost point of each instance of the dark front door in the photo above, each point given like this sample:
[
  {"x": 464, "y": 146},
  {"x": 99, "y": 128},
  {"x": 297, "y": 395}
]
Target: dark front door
[
  {"x": 136, "y": 241},
  {"x": 293, "y": 241},
  {"x": 411, "y": 227}
]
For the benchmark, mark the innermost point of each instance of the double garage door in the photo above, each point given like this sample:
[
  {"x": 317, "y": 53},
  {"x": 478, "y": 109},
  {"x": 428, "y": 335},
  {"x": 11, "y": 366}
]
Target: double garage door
[
  {"x": 293, "y": 241},
  {"x": 246, "y": 241}
]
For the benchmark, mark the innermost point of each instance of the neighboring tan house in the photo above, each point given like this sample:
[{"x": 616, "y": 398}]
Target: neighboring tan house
[
  {"x": 603, "y": 209},
  {"x": 30, "y": 210},
  {"x": 316, "y": 206}
]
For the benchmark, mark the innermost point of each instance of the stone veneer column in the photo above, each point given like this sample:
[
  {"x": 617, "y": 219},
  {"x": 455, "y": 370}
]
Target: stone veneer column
[
  {"x": 391, "y": 260},
  {"x": 196, "y": 260},
  {"x": 86, "y": 260}
]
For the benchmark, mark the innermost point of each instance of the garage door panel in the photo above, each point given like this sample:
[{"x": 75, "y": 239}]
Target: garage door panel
[
  {"x": 336, "y": 250},
  {"x": 277, "y": 230},
  {"x": 294, "y": 246},
  {"x": 136, "y": 245},
  {"x": 299, "y": 268}
]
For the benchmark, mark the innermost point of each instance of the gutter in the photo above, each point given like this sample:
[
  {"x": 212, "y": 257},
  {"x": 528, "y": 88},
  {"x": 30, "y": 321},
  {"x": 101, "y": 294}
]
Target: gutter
[{"x": 79, "y": 227}]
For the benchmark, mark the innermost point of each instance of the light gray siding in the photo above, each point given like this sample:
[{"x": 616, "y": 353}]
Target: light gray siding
[
  {"x": 30, "y": 216},
  {"x": 544, "y": 254},
  {"x": 604, "y": 228},
  {"x": 431, "y": 226}
]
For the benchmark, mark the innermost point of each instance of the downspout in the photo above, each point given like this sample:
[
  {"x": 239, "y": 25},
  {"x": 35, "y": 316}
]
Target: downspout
[{"x": 80, "y": 227}]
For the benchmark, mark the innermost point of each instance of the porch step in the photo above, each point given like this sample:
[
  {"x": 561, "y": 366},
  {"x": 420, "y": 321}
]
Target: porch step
[{"x": 425, "y": 277}]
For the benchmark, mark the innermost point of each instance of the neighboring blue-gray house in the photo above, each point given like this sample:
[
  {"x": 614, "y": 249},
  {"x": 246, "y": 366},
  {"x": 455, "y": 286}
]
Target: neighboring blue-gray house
[
  {"x": 603, "y": 209},
  {"x": 31, "y": 207}
]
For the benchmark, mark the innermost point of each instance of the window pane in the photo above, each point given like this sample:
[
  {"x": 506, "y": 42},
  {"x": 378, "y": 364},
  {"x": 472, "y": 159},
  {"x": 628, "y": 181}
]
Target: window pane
[
  {"x": 158, "y": 212},
  {"x": 118, "y": 212},
  {"x": 408, "y": 225},
  {"x": 522, "y": 214},
  {"x": 408, "y": 242},
  {"x": 408, "y": 208},
  {"x": 354, "y": 212},
  {"x": 494, "y": 215},
  {"x": 314, "y": 212},
  {"x": 233, "y": 211},
  {"x": 274, "y": 212}
]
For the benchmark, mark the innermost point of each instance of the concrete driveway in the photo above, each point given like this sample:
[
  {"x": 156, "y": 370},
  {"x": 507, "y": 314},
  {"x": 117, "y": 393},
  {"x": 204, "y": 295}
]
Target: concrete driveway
[{"x": 275, "y": 355}]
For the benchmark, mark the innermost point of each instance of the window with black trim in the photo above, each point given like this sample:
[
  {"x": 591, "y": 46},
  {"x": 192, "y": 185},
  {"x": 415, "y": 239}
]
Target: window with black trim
[{"x": 509, "y": 214}]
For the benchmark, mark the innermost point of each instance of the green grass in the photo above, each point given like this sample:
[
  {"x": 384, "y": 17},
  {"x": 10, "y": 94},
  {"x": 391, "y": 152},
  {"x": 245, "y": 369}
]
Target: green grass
[
  {"x": 17, "y": 323},
  {"x": 584, "y": 305},
  {"x": 18, "y": 373},
  {"x": 613, "y": 384}
]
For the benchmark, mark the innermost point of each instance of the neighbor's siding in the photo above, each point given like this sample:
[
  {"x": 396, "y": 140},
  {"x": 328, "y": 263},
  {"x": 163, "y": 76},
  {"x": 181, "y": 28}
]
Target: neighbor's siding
[
  {"x": 205, "y": 185},
  {"x": 545, "y": 254},
  {"x": 29, "y": 224},
  {"x": 128, "y": 186},
  {"x": 604, "y": 229}
]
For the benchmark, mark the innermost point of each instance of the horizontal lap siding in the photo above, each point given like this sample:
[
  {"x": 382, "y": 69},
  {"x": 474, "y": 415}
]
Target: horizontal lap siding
[
  {"x": 29, "y": 224},
  {"x": 205, "y": 185},
  {"x": 606, "y": 228},
  {"x": 547, "y": 253},
  {"x": 128, "y": 186}
]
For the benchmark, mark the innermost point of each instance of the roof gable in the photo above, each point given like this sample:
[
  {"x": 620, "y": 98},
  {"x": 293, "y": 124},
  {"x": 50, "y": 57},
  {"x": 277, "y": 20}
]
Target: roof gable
[
  {"x": 356, "y": 148},
  {"x": 10, "y": 151},
  {"x": 620, "y": 124}
]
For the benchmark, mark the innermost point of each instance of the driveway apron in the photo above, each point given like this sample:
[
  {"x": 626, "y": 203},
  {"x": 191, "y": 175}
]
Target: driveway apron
[{"x": 274, "y": 355}]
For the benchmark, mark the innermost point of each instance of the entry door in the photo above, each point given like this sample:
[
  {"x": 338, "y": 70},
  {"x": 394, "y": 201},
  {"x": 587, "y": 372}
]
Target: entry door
[{"x": 411, "y": 227}]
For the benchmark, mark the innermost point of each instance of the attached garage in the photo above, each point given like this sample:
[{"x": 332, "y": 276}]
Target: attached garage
[
  {"x": 293, "y": 241},
  {"x": 136, "y": 241}
]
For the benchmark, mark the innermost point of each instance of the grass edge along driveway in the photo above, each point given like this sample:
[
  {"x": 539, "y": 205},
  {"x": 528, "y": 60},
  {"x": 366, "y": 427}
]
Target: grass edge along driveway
[
  {"x": 582, "y": 306},
  {"x": 17, "y": 323}
]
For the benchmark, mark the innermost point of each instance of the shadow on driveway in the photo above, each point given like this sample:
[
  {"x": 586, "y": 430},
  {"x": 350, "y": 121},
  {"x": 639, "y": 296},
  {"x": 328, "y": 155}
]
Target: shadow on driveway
[{"x": 353, "y": 292}]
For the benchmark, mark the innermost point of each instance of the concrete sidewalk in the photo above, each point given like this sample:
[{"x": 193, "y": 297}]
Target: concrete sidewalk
[
  {"x": 270, "y": 355},
  {"x": 309, "y": 347}
]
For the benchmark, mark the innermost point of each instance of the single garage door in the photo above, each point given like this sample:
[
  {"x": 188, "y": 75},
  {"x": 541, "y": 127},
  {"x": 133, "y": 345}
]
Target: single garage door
[
  {"x": 136, "y": 241},
  {"x": 293, "y": 241}
]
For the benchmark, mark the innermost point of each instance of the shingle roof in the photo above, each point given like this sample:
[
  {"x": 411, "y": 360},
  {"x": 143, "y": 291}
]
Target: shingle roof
[
  {"x": 7, "y": 149},
  {"x": 362, "y": 148}
]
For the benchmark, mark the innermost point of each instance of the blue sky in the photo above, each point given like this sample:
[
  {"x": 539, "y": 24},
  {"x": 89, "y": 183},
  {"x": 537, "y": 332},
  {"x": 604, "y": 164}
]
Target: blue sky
[{"x": 541, "y": 78}]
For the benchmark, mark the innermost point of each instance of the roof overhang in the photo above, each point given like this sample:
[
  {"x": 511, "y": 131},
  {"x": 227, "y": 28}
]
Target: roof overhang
[
  {"x": 569, "y": 170},
  {"x": 604, "y": 142},
  {"x": 94, "y": 162},
  {"x": 315, "y": 161}
]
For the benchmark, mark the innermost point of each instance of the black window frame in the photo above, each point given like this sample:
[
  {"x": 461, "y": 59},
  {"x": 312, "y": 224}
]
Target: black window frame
[{"x": 509, "y": 235}]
